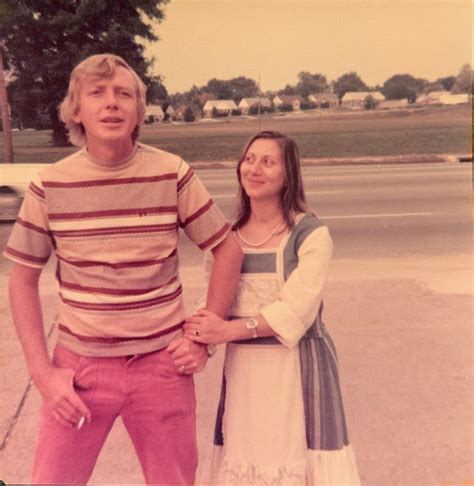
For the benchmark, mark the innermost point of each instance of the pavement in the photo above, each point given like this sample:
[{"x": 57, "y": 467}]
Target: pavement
[{"x": 403, "y": 330}]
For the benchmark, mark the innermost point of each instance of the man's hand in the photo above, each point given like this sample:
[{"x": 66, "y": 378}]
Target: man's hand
[
  {"x": 57, "y": 389},
  {"x": 189, "y": 357}
]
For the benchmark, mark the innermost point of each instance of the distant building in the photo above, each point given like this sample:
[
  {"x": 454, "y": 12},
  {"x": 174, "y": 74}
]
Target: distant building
[
  {"x": 455, "y": 99},
  {"x": 180, "y": 111},
  {"x": 247, "y": 103},
  {"x": 392, "y": 104},
  {"x": 223, "y": 107},
  {"x": 324, "y": 100},
  {"x": 154, "y": 113},
  {"x": 356, "y": 99},
  {"x": 293, "y": 100},
  {"x": 442, "y": 97},
  {"x": 170, "y": 112}
]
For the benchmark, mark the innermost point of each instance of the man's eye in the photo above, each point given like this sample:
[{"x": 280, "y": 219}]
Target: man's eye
[{"x": 126, "y": 94}]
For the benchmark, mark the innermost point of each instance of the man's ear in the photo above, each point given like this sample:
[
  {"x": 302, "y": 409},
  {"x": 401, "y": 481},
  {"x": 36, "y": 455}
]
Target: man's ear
[{"x": 76, "y": 117}]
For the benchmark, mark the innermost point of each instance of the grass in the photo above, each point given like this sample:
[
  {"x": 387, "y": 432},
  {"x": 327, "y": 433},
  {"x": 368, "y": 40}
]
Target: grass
[{"x": 429, "y": 130}]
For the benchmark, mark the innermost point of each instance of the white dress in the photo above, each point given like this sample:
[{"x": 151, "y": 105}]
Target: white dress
[{"x": 260, "y": 437}]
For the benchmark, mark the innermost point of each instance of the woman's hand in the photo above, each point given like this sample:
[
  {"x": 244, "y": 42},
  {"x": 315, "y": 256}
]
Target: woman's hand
[{"x": 206, "y": 327}]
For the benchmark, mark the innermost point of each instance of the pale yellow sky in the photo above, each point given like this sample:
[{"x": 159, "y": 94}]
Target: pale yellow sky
[{"x": 276, "y": 39}]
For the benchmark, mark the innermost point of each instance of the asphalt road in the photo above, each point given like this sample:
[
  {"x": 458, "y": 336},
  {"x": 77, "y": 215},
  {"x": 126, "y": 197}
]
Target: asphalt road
[{"x": 378, "y": 211}]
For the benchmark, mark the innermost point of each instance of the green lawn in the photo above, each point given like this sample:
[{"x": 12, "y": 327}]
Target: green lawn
[{"x": 423, "y": 130}]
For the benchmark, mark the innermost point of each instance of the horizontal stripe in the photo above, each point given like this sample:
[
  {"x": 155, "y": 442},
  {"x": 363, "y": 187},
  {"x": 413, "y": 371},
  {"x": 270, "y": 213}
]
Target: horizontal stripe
[
  {"x": 214, "y": 238},
  {"x": 259, "y": 263},
  {"x": 32, "y": 226},
  {"x": 26, "y": 256},
  {"x": 113, "y": 340},
  {"x": 131, "y": 264},
  {"x": 187, "y": 177},
  {"x": 120, "y": 222},
  {"x": 36, "y": 190},
  {"x": 127, "y": 306},
  {"x": 110, "y": 182},
  {"x": 108, "y": 298},
  {"x": 119, "y": 230},
  {"x": 113, "y": 212},
  {"x": 198, "y": 213},
  {"x": 111, "y": 291}
]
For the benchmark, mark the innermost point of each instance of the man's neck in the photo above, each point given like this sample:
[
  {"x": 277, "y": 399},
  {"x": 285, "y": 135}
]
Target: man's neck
[{"x": 109, "y": 154}]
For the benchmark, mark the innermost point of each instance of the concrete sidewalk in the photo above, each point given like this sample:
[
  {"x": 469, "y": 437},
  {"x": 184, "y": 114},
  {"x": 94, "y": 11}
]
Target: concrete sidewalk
[{"x": 402, "y": 328}]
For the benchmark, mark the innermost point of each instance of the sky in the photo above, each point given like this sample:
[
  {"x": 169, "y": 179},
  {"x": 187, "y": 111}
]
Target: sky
[{"x": 274, "y": 40}]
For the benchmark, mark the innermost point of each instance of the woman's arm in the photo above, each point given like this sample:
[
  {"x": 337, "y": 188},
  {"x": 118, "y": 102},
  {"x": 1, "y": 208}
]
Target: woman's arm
[{"x": 287, "y": 318}]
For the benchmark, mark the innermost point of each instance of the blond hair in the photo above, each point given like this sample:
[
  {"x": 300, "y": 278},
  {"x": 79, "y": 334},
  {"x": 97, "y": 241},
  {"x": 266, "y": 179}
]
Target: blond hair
[{"x": 103, "y": 66}]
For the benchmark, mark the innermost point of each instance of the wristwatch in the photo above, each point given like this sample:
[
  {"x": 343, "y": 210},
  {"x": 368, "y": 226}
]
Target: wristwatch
[{"x": 252, "y": 325}]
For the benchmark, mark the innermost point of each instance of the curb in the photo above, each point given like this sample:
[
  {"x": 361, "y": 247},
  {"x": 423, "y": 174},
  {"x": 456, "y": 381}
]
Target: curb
[{"x": 335, "y": 161}]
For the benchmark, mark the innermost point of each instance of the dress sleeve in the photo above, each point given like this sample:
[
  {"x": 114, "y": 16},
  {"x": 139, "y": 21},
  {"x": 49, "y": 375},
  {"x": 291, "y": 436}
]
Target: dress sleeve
[
  {"x": 200, "y": 218},
  {"x": 30, "y": 242},
  {"x": 293, "y": 313}
]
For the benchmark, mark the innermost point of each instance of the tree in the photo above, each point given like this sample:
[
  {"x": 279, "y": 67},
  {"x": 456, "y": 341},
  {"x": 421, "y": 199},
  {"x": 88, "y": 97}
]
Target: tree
[
  {"x": 402, "y": 86},
  {"x": 231, "y": 89},
  {"x": 464, "y": 81},
  {"x": 447, "y": 82},
  {"x": 348, "y": 82},
  {"x": 370, "y": 103},
  {"x": 220, "y": 88},
  {"x": 45, "y": 40},
  {"x": 288, "y": 90},
  {"x": 189, "y": 115},
  {"x": 311, "y": 83}
]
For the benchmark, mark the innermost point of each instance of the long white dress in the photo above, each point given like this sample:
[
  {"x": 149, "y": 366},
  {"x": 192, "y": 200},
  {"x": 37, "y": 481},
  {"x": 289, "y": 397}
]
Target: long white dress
[{"x": 261, "y": 436}]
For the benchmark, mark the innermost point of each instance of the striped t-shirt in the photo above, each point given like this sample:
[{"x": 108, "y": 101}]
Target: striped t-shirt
[{"x": 114, "y": 232}]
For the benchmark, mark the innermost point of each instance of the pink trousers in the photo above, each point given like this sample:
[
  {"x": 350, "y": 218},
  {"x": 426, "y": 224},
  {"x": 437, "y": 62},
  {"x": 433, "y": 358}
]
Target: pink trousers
[{"x": 157, "y": 406}]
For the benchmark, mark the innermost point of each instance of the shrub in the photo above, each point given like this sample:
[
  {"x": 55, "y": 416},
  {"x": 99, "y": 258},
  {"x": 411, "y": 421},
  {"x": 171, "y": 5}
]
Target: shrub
[
  {"x": 370, "y": 103},
  {"x": 285, "y": 107},
  {"x": 189, "y": 115},
  {"x": 236, "y": 112}
]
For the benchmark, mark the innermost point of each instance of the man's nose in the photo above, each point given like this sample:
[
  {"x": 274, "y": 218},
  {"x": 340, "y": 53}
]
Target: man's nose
[{"x": 111, "y": 99}]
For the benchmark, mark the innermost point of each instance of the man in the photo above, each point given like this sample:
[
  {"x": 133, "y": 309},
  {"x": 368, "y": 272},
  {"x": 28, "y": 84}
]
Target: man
[{"x": 111, "y": 213}]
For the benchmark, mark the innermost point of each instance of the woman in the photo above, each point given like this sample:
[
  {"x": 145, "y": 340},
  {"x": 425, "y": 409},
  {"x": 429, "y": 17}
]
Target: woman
[{"x": 280, "y": 417}]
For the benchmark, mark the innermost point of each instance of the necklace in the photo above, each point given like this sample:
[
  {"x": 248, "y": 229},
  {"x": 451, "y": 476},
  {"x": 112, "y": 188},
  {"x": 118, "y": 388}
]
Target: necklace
[{"x": 260, "y": 243}]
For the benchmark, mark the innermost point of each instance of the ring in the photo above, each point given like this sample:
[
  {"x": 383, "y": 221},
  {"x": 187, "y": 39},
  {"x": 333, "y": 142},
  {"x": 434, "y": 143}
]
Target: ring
[
  {"x": 181, "y": 369},
  {"x": 197, "y": 333}
]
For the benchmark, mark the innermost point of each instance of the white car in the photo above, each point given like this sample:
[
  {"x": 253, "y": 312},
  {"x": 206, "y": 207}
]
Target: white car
[{"x": 14, "y": 180}]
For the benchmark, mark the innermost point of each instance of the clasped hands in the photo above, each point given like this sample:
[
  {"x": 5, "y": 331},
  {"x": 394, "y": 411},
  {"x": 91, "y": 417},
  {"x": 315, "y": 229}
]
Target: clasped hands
[{"x": 205, "y": 327}]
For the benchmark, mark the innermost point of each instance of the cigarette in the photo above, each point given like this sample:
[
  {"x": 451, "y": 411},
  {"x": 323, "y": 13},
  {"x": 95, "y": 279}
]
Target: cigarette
[{"x": 81, "y": 422}]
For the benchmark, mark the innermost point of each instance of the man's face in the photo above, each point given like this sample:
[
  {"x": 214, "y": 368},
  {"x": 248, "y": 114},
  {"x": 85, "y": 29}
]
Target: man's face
[{"x": 108, "y": 108}]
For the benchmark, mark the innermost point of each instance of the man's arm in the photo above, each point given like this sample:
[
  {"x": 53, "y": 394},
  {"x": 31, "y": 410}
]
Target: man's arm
[
  {"x": 54, "y": 384},
  {"x": 228, "y": 257}
]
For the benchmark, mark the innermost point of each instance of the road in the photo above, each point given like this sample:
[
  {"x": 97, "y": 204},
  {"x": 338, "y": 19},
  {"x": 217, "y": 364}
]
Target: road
[{"x": 380, "y": 211}]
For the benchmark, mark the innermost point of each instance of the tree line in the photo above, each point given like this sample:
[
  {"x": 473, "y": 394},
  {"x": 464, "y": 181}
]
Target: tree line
[{"x": 43, "y": 41}]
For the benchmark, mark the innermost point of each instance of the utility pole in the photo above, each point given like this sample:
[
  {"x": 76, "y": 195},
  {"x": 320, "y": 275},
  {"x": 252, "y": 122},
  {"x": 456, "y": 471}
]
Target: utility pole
[{"x": 5, "y": 108}]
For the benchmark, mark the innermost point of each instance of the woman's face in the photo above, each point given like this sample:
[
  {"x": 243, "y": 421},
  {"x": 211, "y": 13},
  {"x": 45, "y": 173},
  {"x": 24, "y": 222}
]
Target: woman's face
[{"x": 262, "y": 171}]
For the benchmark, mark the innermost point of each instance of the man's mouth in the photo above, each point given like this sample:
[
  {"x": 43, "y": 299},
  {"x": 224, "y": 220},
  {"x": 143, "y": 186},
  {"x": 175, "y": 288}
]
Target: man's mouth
[{"x": 111, "y": 119}]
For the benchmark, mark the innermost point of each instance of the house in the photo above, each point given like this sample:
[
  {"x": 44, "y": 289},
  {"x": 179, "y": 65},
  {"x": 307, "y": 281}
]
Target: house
[
  {"x": 393, "y": 104},
  {"x": 293, "y": 100},
  {"x": 455, "y": 99},
  {"x": 223, "y": 107},
  {"x": 442, "y": 97},
  {"x": 247, "y": 103},
  {"x": 170, "y": 112},
  {"x": 154, "y": 113},
  {"x": 356, "y": 99},
  {"x": 431, "y": 97},
  {"x": 179, "y": 112},
  {"x": 324, "y": 100}
]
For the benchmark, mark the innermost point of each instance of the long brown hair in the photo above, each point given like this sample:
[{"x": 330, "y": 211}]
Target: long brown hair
[{"x": 292, "y": 196}]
